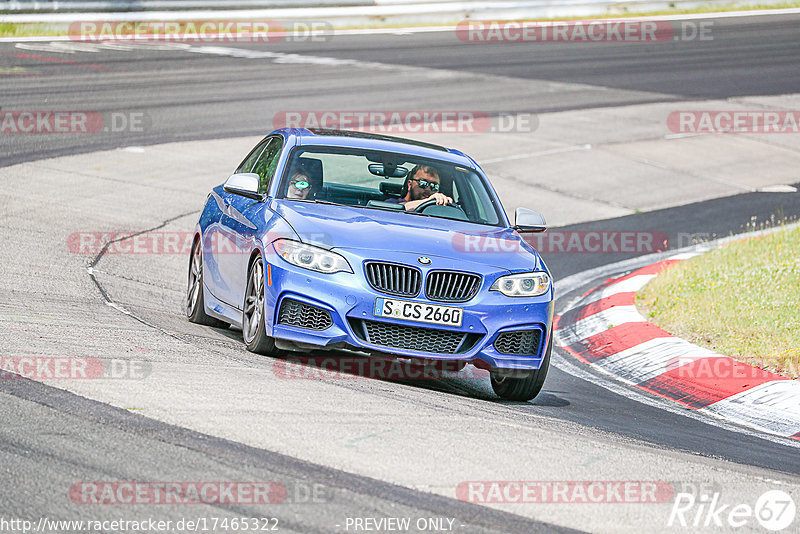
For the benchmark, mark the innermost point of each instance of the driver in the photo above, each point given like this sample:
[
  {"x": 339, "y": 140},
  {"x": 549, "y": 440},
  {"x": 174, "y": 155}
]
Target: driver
[{"x": 422, "y": 184}]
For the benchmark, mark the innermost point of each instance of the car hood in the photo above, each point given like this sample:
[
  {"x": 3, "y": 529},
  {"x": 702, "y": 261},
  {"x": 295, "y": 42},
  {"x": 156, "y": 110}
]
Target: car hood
[{"x": 364, "y": 229}]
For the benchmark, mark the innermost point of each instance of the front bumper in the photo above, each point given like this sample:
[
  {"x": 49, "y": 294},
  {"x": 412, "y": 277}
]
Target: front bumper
[{"x": 350, "y": 300}]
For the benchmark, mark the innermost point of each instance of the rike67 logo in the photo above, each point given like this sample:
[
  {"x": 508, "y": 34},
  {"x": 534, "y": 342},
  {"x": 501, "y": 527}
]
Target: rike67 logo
[{"x": 774, "y": 510}]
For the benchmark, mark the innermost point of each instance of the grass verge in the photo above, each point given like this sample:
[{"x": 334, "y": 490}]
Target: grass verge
[{"x": 742, "y": 300}]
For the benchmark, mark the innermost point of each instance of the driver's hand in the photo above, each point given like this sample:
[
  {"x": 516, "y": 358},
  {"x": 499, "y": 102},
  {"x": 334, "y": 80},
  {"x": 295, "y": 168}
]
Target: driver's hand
[{"x": 440, "y": 199}]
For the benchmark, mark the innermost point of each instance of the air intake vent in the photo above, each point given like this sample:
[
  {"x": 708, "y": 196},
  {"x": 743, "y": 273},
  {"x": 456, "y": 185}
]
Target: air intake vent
[
  {"x": 393, "y": 279},
  {"x": 451, "y": 286},
  {"x": 302, "y": 315},
  {"x": 520, "y": 343},
  {"x": 414, "y": 337}
]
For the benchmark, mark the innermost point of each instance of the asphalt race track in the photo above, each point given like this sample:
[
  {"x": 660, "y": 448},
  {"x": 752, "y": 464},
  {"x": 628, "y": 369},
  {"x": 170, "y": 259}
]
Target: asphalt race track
[
  {"x": 210, "y": 411},
  {"x": 202, "y": 96}
]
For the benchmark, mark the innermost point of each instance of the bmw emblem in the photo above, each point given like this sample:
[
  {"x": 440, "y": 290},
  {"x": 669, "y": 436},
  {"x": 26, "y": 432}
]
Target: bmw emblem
[{"x": 424, "y": 260}]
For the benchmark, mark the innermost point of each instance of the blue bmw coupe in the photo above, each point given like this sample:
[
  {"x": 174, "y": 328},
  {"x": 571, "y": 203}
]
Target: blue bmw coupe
[{"x": 327, "y": 239}]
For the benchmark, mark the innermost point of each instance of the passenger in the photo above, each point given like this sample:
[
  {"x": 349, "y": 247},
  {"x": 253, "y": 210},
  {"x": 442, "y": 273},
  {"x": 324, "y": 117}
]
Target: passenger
[{"x": 299, "y": 186}]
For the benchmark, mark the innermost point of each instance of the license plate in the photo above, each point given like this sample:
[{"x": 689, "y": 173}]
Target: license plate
[{"x": 418, "y": 311}]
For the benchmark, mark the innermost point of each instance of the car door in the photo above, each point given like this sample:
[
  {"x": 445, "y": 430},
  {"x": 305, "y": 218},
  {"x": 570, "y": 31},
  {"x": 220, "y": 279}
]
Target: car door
[
  {"x": 241, "y": 221},
  {"x": 218, "y": 243}
]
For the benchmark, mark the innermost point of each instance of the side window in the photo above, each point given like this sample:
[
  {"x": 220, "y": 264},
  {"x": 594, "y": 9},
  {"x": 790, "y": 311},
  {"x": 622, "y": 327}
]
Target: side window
[
  {"x": 251, "y": 158},
  {"x": 267, "y": 162}
]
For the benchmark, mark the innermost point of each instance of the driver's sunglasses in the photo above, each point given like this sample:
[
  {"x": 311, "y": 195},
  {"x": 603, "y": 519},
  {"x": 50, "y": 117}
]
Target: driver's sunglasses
[{"x": 425, "y": 184}]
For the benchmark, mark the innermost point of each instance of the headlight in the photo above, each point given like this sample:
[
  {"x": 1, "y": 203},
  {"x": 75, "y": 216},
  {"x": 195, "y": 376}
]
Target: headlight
[
  {"x": 522, "y": 285},
  {"x": 309, "y": 257}
]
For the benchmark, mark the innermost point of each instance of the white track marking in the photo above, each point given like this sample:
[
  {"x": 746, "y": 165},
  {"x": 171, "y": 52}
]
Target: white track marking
[
  {"x": 685, "y": 255},
  {"x": 772, "y": 407},
  {"x": 284, "y": 58},
  {"x": 653, "y": 358},
  {"x": 536, "y": 154},
  {"x": 64, "y": 47},
  {"x": 600, "y": 322},
  {"x": 629, "y": 285},
  {"x": 782, "y": 188},
  {"x": 682, "y": 135}
]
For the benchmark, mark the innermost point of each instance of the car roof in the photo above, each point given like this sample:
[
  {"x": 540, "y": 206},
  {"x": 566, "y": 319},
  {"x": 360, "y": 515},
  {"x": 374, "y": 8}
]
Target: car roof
[{"x": 385, "y": 143}]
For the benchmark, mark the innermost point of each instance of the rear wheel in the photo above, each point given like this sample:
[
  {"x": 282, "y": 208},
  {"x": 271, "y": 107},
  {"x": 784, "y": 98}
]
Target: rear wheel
[
  {"x": 195, "y": 303},
  {"x": 254, "y": 331},
  {"x": 518, "y": 384}
]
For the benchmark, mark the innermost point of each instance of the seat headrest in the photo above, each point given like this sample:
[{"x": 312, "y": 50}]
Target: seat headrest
[
  {"x": 391, "y": 189},
  {"x": 313, "y": 168}
]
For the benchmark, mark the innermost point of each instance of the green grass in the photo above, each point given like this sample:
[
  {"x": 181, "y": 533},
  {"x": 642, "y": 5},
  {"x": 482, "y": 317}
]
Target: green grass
[
  {"x": 9, "y": 29},
  {"x": 12, "y": 29},
  {"x": 742, "y": 300}
]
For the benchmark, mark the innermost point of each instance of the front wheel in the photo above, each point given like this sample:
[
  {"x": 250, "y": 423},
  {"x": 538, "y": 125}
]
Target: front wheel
[
  {"x": 254, "y": 331},
  {"x": 519, "y": 385}
]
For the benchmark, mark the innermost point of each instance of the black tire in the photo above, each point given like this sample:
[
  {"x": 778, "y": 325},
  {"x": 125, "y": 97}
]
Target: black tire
[
  {"x": 253, "y": 328},
  {"x": 195, "y": 302},
  {"x": 519, "y": 385}
]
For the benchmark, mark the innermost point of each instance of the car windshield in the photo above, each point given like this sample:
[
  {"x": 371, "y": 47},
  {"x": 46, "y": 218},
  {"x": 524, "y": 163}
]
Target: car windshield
[{"x": 380, "y": 180}]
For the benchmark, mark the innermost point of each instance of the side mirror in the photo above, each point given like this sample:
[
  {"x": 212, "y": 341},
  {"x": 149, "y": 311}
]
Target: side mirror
[
  {"x": 529, "y": 221},
  {"x": 244, "y": 184}
]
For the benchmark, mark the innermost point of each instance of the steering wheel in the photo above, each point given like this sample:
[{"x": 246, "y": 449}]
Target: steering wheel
[{"x": 432, "y": 202}]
